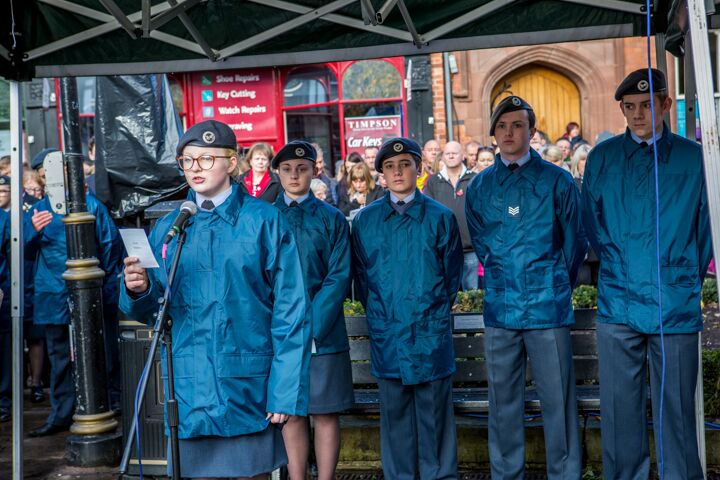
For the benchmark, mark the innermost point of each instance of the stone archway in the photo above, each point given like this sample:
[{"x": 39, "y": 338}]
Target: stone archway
[{"x": 586, "y": 76}]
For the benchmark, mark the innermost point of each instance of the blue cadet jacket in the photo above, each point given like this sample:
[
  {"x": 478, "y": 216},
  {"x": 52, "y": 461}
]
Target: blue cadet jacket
[
  {"x": 619, "y": 215},
  {"x": 323, "y": 240},
  {"x": 49, "y": 248},
  {"x": 408, "y": 270},
  {"x": 5, "y": 320},
  {"x": 241, "y": 339},
  {"x": 526, "y": 230}
]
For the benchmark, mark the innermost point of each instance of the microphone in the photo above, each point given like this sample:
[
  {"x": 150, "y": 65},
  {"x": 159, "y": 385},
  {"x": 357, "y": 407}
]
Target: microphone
[{"x": 187, "y": 210}]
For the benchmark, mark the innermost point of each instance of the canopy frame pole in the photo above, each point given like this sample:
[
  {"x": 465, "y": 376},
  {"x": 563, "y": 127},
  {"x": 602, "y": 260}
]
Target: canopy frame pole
[
  {"x": 711, "y": 155},
  {"x": 690, "y": 91},
  {"x": 4, "y": 53},
  {"x": 283, "y": 28},
  {"x": 417, "y": 40},
  {"x": 120, "y": 16},
  {"x": 171, "y": 13},
  {"x": 368, "y": 12},
  {"x": 619, "y": 5},
  {"x": 385, "y": 10},
  {"x": 339, "y": 19},
  {"x": 146, "y": 18},
  {"x": 17, "y": 287},
  {"x": 194, "y": 32}
]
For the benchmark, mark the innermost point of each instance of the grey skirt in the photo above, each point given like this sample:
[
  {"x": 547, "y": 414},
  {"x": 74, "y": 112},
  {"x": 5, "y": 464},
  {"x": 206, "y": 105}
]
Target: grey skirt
[
  {"x": 222, "y": 457},
  {"x": 331, "y": 387}
]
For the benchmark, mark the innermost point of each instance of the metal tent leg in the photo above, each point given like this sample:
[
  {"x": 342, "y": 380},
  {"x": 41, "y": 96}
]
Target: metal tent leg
[
  {"x": 711, "y": 154},
  {"x": 17, "y": 280}
]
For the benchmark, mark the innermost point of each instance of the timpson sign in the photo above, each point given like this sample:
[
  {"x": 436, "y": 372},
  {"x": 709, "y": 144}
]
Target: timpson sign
[{"x": 364, "y": 132}]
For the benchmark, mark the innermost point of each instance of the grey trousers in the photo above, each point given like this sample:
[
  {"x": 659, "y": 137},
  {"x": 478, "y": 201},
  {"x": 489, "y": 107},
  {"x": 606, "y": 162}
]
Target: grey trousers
[
  {"x": 550, "y": 354},
  {"x": 417, "y": 430},
  {"x": 624, "y": 355}
]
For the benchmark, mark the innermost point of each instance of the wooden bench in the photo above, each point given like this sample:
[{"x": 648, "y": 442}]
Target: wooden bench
[{"x": 470, "y": 379}]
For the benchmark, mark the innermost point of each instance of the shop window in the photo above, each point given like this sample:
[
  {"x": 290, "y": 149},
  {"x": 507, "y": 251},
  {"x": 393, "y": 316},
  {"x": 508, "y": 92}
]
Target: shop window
[
  {"x": 308, "y": 86},
  {"x": 371, "y": 79}
]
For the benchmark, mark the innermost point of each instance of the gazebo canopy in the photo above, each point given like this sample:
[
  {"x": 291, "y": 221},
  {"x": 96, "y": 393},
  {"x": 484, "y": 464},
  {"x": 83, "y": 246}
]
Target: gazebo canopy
[{"x": 108, "y": 37}]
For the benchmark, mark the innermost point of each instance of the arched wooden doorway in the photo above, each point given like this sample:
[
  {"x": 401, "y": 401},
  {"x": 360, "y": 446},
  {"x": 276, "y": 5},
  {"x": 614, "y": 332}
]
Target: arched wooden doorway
[{"x": 554, "y": 97}]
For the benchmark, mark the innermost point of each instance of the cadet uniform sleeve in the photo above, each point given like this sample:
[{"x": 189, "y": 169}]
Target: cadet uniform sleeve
[
  {"x": 328, "y": 301},
  {"x": 704, "y": 234},
  {"x": 359, "y": 263},
  {"x": 31, "y": 238},
  {"x": 591, "y": 211},
  {"x": 574, "y": 241},
  {"x": 451, "y": 253},
  {"x": 288, "y": 384},
  {"x": 141, "y": 307},
  {"x": 475, "y": 224},
  {"x": 110, "y": 251}
]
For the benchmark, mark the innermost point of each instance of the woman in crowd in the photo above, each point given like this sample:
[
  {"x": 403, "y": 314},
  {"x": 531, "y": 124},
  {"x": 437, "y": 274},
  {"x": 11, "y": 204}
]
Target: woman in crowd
[
  {"x": 259, "y": 181},
  {"x": 361, "y": 191},
  {"x": 486, "y": 157},
  {"x": 577, "y": 163},
  {"x": 343, "y": 174},
  {"x": 555, "y": 156}
]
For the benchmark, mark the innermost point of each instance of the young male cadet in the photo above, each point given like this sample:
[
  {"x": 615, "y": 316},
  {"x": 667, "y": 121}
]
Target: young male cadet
[
  {"x": 241, "y": 342},
  {"x": 45, "y": 241},
  {"x": 523, "y": 216},
  {"x": 619, "y": 214},
  {"x": 323, "y": 238},
  {"x": 408, "y": 261}
]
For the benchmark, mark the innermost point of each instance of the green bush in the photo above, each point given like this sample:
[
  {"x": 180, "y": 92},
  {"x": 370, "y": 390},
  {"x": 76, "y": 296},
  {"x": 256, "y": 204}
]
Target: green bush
[
  {"x": 709, "y": 291},
  {"x": 469, "y": 301},
  {"x": 353, "y": 309},
  {"x": 584, "y": 296},
  {"x": 711, "y": 383}
]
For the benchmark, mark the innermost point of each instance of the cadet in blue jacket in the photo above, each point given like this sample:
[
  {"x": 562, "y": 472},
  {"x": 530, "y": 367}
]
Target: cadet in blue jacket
[
  {"x": 45, "y": 242},
  {"x": 523, "y": 216},
  {"x": 408, "y": 261},
  {"x": 323, "y": 240},
  {"x": 619, "y": 214},
  {"x": 241, "y": 343}
]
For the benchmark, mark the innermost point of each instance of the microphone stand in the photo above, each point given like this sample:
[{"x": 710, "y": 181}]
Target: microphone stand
[{"x": 163, "y": 326}]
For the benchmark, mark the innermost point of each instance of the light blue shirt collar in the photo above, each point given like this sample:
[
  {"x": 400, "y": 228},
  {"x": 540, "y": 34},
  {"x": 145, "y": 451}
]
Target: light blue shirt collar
[
  {"x": 289, "y": 200},
  {"x": 649, "y": 141},
  {"x": 217, "y": 199},
  {"x": 408, "y": 199},
  {"x": 522, "y": 161}
]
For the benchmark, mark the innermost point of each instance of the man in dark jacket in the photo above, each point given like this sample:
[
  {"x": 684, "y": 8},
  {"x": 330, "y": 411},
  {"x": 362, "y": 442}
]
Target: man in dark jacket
[
  {"x": 448, "y": 187},
  {"x": 523, "y": 216},
  {"x": 619, "y": 211}
]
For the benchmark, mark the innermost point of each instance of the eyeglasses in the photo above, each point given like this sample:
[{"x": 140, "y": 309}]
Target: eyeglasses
[
  {"x": 205, "y": 162},
  {"x": 32, "y": 190}
]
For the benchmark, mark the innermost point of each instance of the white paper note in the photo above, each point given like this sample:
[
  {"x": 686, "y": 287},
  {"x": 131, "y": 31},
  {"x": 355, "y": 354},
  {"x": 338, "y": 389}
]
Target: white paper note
[{"x": 137, "y": 245}]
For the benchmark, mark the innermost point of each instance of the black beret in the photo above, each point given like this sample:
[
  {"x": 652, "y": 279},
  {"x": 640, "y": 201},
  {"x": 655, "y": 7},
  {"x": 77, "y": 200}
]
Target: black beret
[
  {"x": 397, "y": 146},
  {"x": 4, "y": 180},
  {"x": 295, "y": 150},
  {"x": 38, "y": 159},
  {"x": 509, "y": 104},
  {"x": 637, "y": 82},
  {"x": 209, "y": 133}
]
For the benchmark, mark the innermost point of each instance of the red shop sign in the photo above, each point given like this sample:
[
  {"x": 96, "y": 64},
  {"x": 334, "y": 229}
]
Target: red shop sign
[
  {"x": 244, "y": 99},
  {"x": 364, "y": 132}
]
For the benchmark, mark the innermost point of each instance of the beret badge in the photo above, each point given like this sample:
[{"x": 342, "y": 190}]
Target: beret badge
[{"x": 208, "y": 137}]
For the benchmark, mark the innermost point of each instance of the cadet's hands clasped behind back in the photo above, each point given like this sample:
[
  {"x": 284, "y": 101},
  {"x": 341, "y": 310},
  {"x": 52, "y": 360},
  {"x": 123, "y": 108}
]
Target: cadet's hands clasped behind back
[{"x": 136, "y": 278}]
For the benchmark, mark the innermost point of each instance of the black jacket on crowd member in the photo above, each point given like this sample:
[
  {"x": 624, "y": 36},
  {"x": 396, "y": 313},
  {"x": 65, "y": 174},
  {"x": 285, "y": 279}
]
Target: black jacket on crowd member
[
  {"x": 438, "y": 187},
  {"x": 345, "y": 205},
  {"x": 271, "y": 192}
]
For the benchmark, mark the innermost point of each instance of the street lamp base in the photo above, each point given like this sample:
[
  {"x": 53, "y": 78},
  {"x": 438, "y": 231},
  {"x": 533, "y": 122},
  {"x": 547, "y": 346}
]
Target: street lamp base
[{"x": 94, "y": 450}]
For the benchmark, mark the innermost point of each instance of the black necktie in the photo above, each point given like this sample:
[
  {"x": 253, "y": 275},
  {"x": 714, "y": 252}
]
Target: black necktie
[
  {"x": 513, "y": 166},
  {"x": 207, "y": 205},
  {"x": 400, "y": 203},
  {"x": 643, "y": 144},
  {"x": 293, "y": 203}
]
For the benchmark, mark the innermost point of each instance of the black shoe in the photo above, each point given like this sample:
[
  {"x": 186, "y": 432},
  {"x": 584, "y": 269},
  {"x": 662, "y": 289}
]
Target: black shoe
[
  {"x": 5, "y": 415},
  {"x": 37, "y": 395},
  {"x": 48, "y": 429}
]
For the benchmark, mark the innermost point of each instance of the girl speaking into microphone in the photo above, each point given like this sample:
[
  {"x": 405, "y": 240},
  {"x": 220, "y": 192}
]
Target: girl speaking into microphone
[{"x": 241, "y": 343}]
